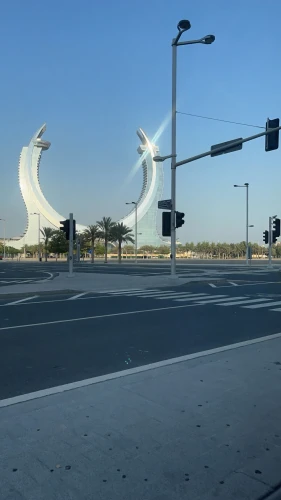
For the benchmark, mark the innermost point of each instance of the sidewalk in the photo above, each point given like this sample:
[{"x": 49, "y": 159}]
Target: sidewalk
[{"x": 204, "y": 428}]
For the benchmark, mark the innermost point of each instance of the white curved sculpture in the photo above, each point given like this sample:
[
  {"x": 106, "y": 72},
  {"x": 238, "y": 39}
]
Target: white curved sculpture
[{"x": 36, "y": 202}]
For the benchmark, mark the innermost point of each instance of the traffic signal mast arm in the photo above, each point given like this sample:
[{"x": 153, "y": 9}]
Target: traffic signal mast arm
[{"x": 225, "y": 148}]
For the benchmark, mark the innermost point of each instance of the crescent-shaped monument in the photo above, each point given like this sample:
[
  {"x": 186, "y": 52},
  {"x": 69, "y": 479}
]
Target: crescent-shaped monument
[{"x": 36, "y": 203}]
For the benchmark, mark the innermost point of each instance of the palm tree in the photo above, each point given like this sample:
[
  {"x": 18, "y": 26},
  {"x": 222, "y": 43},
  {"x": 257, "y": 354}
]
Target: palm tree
[
  {"x": 105, "y": 228},
  {"x": 47, "y": 234},
  {"x": 121, "y": 234},
  {"x": 90, "y": 235}
]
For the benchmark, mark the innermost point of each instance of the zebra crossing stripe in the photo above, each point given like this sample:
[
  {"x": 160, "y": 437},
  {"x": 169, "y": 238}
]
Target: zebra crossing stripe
[
  {"x": 151, "y": 293},
  {"x": 214, "y": 301},
  {"x": 194, "y": 296},
  {"x": 269, "y": 304},
  {"x": 248, "y": 301},
  {"x": 165, "y": 294}
]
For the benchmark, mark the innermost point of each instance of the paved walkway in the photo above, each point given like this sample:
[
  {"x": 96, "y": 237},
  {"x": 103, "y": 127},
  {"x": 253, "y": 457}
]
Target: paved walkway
[{"x": 205, "y": 428}]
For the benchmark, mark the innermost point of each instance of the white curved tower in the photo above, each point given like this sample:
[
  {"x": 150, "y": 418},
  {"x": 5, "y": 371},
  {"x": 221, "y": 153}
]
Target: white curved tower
[{"x": 35, "y": 201}]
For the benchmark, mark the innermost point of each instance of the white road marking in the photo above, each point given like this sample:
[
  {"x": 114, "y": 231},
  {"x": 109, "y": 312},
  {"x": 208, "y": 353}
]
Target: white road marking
[
  {"x": 241, "y": 302},
  {"x": 194, "y": 296},
  {"x": 269, "y": 304},
  {"x": 212, "y": 285},
  {"x": 175, "y": 296},
  {"x": 132, "y": 371},
  {"x": 100, "y": 316},
  {"x": 232, "y": 283},
  {"x": 74, "y": 297},
  {"x": 159, "y": 294},
  {"x": 121, "y": 291},
  {"x": 214, "y": 301},
  {"x": 21, "y": 300}
]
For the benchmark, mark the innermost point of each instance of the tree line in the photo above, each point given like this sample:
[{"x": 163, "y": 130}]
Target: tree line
[{"x": 97, "y": 238}]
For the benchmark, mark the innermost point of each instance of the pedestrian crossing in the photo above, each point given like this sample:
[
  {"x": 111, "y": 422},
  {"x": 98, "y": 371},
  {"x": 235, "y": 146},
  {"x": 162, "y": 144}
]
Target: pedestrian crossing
[{"x": 223, "y": 300}]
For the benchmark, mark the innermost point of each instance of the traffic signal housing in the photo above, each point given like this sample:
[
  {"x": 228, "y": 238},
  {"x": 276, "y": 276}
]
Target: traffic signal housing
[
  {"x": 65, "y": 227},
  {"x": 179, "y": 219},
  {"x": 166, "y": 223},
  {"x": 276, "y": 227},
  {"x": 272, "y": 140},
  {"x": 265, "y": 237}
]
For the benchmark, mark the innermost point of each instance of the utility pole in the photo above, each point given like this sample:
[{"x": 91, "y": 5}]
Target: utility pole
[{"x": 70, "y": 250}]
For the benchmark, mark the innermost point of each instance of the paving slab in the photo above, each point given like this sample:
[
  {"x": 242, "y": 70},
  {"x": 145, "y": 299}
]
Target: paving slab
[{"x": 204, "y": 428}]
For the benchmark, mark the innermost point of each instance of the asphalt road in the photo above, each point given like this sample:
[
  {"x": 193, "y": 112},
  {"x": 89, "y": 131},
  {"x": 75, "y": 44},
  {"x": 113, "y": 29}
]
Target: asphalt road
[
  {"x": 28, "y": 272},
  {"x": 55, "y": 339}
]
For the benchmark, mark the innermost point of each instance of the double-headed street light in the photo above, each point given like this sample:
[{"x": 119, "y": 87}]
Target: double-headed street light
[
  {"x": 39, "y": 250},
  {"x": 4, "y": 224},
  {"x": 246, "y": 185},
  {"x": 136, "y": 226},
  {"x": 183, "y": 26}
]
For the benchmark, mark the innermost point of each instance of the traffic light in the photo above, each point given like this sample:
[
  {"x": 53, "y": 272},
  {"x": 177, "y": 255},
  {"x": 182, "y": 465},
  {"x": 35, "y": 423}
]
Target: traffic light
[
  {"x": 65, "y": 227},
  {"x": 74, "y": 229},
  {"x": 272, "y": 140},
  {"x": 179, "y": 219},
  {"x": 276, "y": 228},
  {"x": 166, "y": 223},
  {"x": 265, "y": 237}
]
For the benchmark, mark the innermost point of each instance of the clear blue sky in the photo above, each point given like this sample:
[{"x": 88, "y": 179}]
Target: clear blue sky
[{"x": 96, "y": 71}]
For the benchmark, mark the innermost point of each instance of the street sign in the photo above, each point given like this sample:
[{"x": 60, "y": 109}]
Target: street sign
[
  {"x": 165, "y": 204},
  {"x": 227, "y": 149}
]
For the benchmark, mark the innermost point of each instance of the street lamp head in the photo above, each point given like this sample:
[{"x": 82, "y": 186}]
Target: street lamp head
[
  {"x": 158, "y": 159},
  {"x": 184, "y": 25},
  {"x": 208, "y": 39},
  {"x": 246, "y": 184},
  {"x": 235, "y": 185}
]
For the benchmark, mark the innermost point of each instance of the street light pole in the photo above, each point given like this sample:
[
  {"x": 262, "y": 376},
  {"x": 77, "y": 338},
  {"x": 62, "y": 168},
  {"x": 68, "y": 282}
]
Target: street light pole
[
  {"x": 39, "y": 251},
  {"x": 183, "y": 26},
  {"x": 247, "y": 223},
  {"x": 173, "y": 159},
  {"x": 136, "y": 227},
  {"x": 246, "y": 185}
]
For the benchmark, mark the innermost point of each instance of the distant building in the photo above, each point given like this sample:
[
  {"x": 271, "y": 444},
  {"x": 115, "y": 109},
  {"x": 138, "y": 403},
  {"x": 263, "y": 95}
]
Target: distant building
[{"x": 38, "y": 208}]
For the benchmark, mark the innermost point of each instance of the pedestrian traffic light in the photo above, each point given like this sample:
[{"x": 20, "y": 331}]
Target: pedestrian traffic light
[
  {"x": 179, "y": 219},
  {"x": 276, "y": 227},
  {"x": 272, "y": 140},
  {"x": 65, "y": 227},
  {"x": 166, "y": 223},
  {"x": 265, "y": 237}
]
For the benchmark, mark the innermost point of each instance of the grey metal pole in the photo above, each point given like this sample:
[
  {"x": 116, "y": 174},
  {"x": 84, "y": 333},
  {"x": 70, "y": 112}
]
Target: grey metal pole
[
  {"x": 39, "y": 251},
  {"x": 247, "y": 223},
  {"x": 136, "y": 232},
  {"x": 173, "y": 160},
  {"x": 70, "y": 249},
  {"x": 4, "y": 239},
  {"x": 270, "y": 242}
]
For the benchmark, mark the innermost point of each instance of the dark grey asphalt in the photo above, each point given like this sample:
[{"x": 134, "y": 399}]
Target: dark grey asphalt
[
  {"x": 16, "y": 272},
  {"x": 34, "y": 358}
]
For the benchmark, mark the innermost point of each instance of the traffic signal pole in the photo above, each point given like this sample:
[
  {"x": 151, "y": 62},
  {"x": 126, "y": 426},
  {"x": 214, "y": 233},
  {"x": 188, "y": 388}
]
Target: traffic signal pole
[
  {"x": 270, "y": 242},
  {"x": 70, "y": 250}
]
